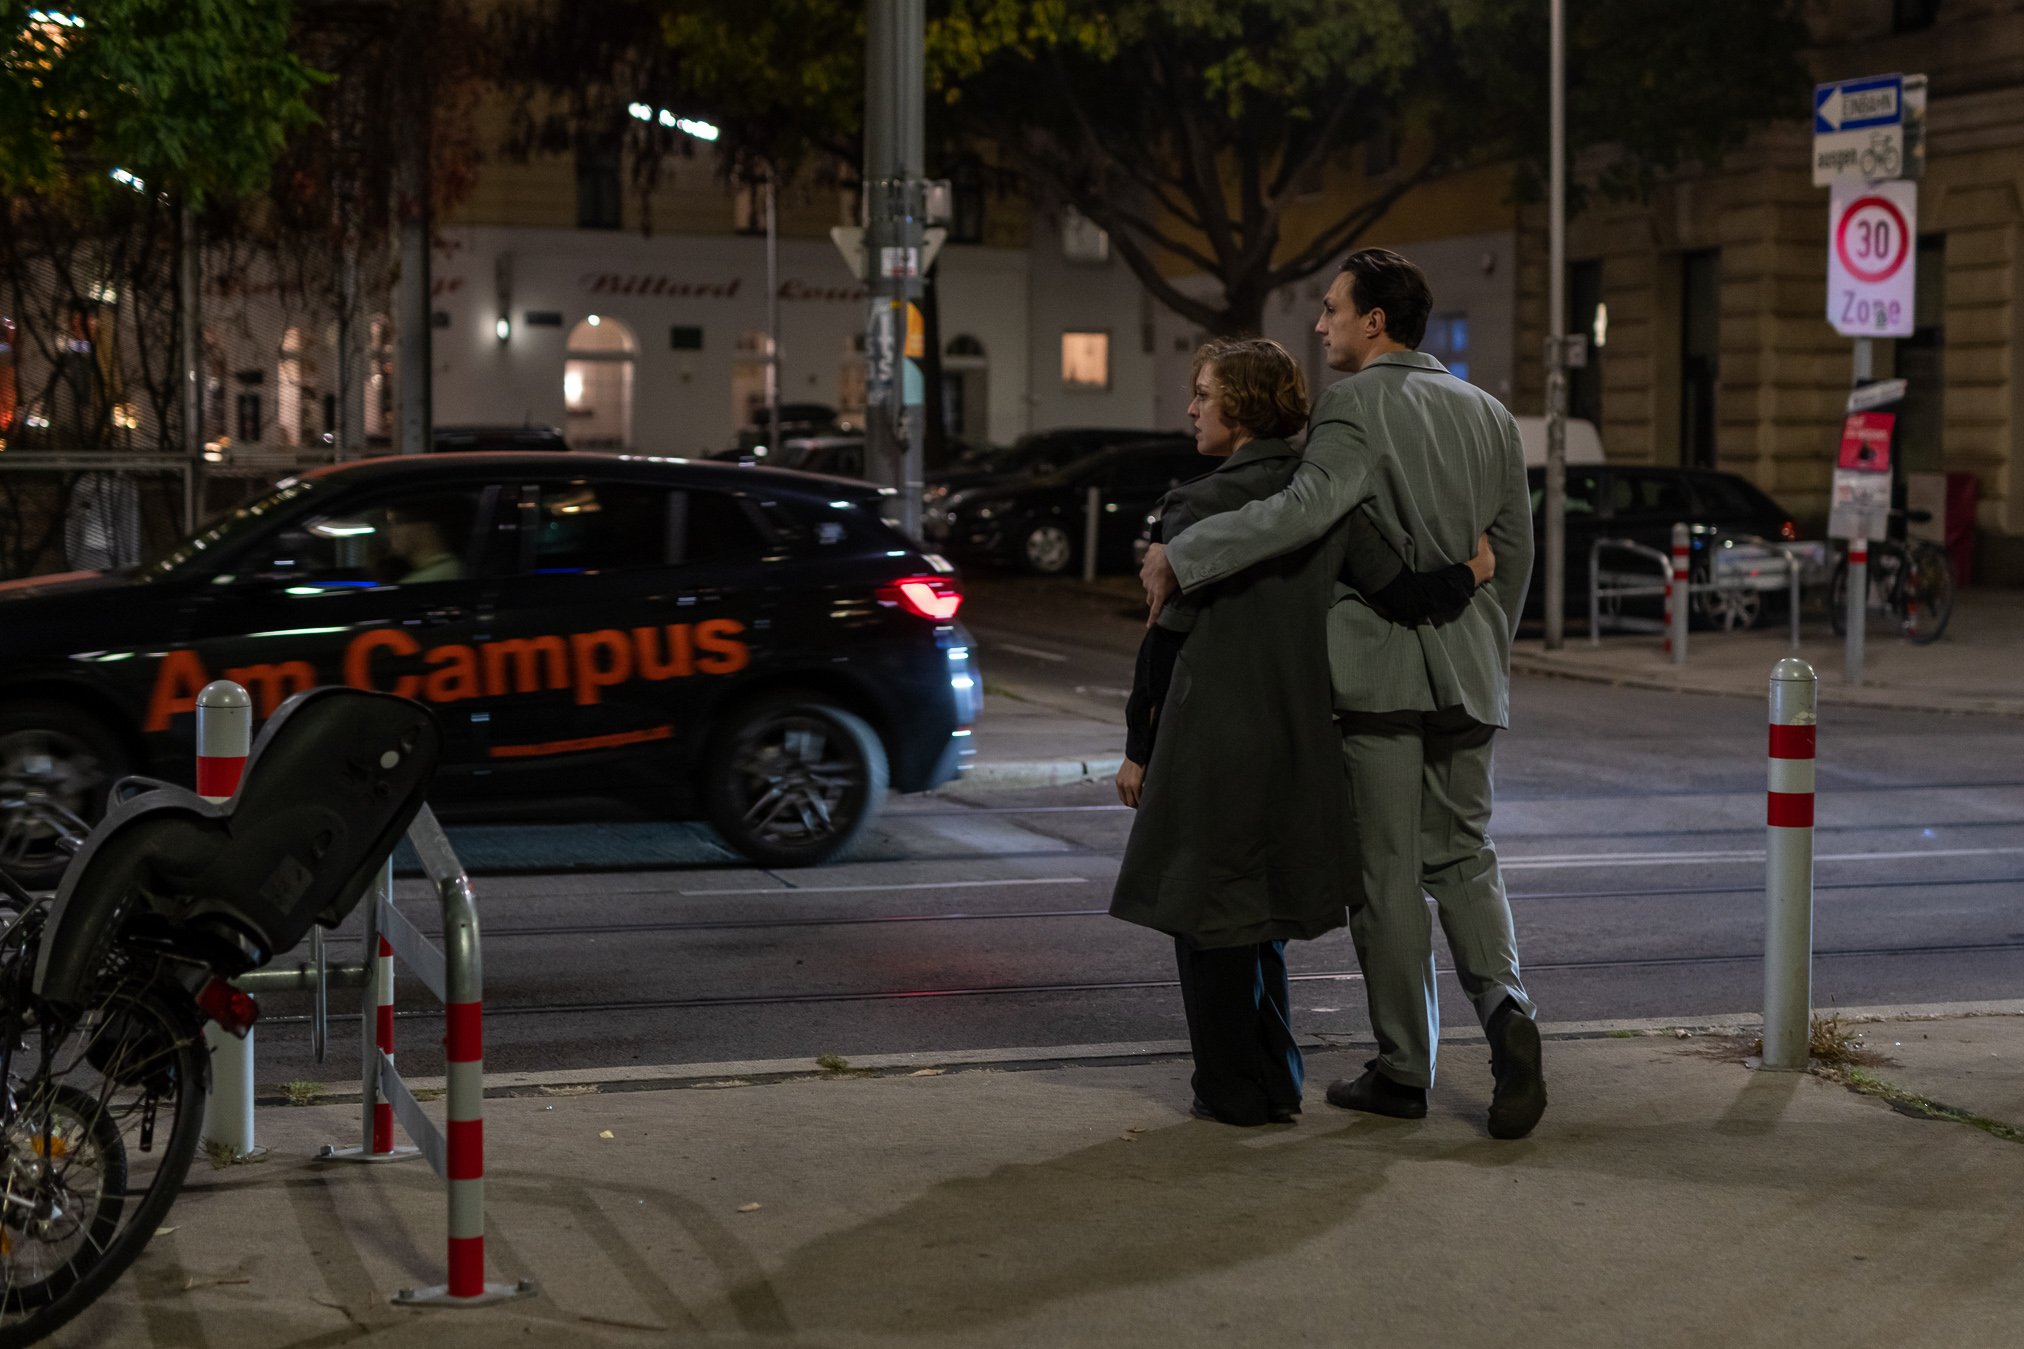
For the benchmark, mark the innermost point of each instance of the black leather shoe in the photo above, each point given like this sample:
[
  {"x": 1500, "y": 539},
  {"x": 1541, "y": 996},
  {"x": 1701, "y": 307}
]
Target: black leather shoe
[
  {"x": 1376, "y": 1094},
  {"x": 1282, "y": 1114},
  {"x": 1515, "y": 1063}
]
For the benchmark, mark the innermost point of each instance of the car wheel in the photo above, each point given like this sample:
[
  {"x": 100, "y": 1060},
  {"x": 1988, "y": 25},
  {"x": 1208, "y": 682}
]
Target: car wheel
[
  {"x": 794, "y": 781},
  {"x": 1724, "y": 610},
  {"x": 1046, "y": 550},
  {"x": 57, "y": 767}
]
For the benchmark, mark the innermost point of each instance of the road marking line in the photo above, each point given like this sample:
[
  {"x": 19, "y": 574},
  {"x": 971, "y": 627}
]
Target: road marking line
[
  {"x": 1032, "y": 651},
  {"x": 910, "y": 885},
  {"x": 1572, "y": 861}
]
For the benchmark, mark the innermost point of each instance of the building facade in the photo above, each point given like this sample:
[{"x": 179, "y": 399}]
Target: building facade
[{"x": 1708, "y": 304}]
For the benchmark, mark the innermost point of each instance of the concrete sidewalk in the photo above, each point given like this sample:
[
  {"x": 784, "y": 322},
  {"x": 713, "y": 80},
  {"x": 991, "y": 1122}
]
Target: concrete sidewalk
[
  {"x": 1977, "y": 667},
  {"x": 1671, "y": 1197}
]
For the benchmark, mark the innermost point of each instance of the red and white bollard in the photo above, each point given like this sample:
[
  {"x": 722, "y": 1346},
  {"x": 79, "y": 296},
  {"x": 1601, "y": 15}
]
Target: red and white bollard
[
  {"x": 1677, "y": 594},
  {"x": 464, "y": 1146},
  {"x": 1788, "y": 867},
  {"x": 224, "y": 739},
  {"x": 1858, "y": 609},
  {"x": 383, "y": 1038}
]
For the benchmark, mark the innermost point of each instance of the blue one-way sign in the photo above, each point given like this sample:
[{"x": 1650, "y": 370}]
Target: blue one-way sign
[{"x": 1857, "y": 105}]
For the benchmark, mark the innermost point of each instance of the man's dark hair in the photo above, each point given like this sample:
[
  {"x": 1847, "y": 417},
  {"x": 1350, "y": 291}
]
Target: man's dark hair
[{"x": 1381, "y": 279}]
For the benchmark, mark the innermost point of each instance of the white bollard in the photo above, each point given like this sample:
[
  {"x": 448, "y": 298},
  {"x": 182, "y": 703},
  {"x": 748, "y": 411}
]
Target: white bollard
[
  {"x": 1677, "y": 588},
  {"x": 1858, "y": 609},
  {"x": 1788, "y": 867},
  {"x": 224, "y": 739}
]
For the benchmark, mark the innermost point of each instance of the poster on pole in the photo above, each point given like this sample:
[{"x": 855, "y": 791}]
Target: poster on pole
[{"x": 1872, "y": 235}]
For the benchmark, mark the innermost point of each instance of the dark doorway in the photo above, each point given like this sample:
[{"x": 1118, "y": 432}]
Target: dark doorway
[{"x": 1700, "y": 353}]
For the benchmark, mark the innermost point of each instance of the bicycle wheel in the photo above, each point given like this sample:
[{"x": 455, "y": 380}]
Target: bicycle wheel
[
  {"x": 123, "y": 1086},
  {"x": 1928, "y": 592}
]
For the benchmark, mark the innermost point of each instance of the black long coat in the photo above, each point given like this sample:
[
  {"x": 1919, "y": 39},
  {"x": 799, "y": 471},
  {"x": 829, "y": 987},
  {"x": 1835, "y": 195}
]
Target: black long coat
[{"x": 1240, "y": 833}]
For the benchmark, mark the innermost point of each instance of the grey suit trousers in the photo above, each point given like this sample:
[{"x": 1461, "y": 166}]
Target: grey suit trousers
[{"x": 1420, "y": 789}]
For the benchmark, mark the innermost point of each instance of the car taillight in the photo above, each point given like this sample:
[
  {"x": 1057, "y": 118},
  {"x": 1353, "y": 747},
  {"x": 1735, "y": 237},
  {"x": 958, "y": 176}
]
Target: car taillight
[
  {"x": 932, "y": 597},
  {"x": 233, "y": 1010},
  {"x": 1789, "y": 531}
]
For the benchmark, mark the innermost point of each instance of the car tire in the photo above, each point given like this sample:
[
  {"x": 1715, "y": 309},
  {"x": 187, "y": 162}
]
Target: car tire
[
  {"x": 795, "y": 780},
  {"x": 1723, "y": 610},
  {"x": 55, "y": 761},
  {"x": 1047, "y": 549}
]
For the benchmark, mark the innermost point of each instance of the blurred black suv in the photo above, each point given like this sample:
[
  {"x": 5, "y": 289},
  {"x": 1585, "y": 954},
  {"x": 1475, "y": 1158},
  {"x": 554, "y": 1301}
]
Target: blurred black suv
[{"x": 752, "y": 647}]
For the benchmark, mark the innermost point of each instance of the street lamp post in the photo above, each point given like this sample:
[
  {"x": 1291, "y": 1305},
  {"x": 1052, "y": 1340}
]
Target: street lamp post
[{"x": 1556, "y": 343}]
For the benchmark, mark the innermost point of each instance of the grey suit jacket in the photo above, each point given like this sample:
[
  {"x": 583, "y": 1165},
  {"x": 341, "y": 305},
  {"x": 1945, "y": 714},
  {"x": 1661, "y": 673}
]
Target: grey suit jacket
[{"x": 1434, "y": 462}]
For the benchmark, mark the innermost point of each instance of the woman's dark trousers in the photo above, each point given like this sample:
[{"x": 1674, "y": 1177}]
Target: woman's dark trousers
[{"x": 1247, "y": 1068}]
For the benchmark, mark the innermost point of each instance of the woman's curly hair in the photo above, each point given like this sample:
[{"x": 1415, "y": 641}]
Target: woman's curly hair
[{"x": 1262, "y": 387}]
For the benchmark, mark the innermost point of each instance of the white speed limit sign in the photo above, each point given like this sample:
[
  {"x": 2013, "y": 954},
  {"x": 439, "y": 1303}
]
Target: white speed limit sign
[{"x": 1872, "y": 241}]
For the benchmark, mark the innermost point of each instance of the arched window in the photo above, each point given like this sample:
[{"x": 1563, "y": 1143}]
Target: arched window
[
  {"x": 597, "y": 384},
  {"x": 288, "y": 389}
]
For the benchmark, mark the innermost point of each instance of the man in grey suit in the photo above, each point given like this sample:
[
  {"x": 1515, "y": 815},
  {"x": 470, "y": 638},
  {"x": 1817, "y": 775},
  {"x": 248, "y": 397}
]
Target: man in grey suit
[{"x": 1434, "y": 462}]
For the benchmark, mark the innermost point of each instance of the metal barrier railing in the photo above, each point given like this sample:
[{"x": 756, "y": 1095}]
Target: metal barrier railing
[
  {"x": 455, "y": 974},
  {"x": 1735, "y": 563},
  {"x": 1624, "y": 586}
]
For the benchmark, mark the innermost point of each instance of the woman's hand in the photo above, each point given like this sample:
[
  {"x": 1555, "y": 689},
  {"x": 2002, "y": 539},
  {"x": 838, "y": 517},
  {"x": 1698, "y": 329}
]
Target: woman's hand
[
  {"x": 1131, "y": 780},
  {"x": 1484, "y": 564}
]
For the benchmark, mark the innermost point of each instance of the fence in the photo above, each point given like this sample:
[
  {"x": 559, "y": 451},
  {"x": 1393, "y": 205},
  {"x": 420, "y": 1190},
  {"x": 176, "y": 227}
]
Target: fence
[{"x": 128, "y": 416}]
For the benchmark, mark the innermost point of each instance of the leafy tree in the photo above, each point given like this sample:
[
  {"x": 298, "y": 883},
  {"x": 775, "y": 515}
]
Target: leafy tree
[
  {"x": 1186, "y": 128},
  {"x": 194, "y": 97}
]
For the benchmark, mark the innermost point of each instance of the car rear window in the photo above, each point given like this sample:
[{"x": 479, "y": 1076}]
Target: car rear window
[
  {"x": 1650, "y": 494},
  {"x": 1584, "y": 492}
]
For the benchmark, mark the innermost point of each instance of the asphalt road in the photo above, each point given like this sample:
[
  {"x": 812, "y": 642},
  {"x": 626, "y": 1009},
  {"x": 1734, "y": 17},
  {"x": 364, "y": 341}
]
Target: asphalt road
[{"x": 1631, "y": 824}]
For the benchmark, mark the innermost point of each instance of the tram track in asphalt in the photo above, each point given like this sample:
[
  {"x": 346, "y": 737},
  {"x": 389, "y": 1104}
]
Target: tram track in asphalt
[
  {"x": 495, "y": 1009},
  {"x": 874, "y": 920}
]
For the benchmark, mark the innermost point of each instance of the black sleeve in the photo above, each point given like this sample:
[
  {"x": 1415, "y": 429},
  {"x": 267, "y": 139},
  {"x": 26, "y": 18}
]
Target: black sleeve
[
  {"x": 1150, "y": 678},
  {"x": 1417, "y": 596}
]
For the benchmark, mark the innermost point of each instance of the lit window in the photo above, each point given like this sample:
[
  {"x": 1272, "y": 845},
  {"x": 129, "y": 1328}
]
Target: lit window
[{"x": 1085, "y": 360}]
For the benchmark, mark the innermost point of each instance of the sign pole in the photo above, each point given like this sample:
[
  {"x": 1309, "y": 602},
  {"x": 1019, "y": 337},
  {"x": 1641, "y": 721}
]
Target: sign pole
[
  {"x": 893, "y": 157},
  {"x": 1858, "y": 550}
]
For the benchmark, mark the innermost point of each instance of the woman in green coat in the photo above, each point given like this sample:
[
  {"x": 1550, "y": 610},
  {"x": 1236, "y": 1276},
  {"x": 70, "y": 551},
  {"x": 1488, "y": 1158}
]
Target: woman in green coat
[{"x": 1232, "y": 758}]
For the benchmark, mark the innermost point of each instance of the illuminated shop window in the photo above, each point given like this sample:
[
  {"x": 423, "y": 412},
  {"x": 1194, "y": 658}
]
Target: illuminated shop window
[{"x": 1085, "y": 360}]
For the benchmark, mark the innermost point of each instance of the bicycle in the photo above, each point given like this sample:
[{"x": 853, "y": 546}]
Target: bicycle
[
  {"x": 1910, "y": 580},
  {"x": 105, "y": 986}
]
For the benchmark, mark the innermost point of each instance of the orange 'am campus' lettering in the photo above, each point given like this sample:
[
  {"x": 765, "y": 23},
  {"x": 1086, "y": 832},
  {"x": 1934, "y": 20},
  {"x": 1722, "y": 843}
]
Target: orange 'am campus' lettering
[{"x": 584, "y": 663}]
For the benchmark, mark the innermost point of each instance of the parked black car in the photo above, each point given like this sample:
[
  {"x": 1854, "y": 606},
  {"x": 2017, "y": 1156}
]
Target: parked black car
[
  {"x": 1031, "y": 456},
  {"x": 1643, "y": 503},
  {"x": 752, "y": 647},
  {"x": 1038, "y": 523}
]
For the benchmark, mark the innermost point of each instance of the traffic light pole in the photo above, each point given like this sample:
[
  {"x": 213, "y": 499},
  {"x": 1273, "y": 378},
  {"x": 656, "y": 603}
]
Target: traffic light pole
[{"x": 894, "y": 199}]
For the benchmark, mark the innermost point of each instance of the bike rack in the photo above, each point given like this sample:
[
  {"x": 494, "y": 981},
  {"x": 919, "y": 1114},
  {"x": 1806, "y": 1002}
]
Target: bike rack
[
  {"x": 1723, "y": 574},
  {"x": 1624, "y": 587},
  {"x": 454, "y": 973}
]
